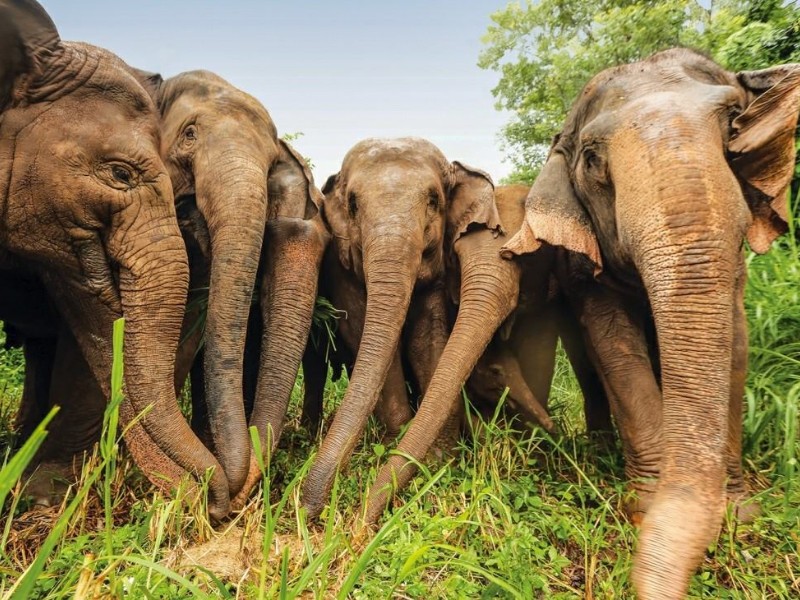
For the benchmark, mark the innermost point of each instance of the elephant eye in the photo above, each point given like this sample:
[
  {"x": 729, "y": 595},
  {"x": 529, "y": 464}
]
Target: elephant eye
[
  {"x": 352, "y": 204},
  {"x": 592, "y": 160},
  {"x": 433, "y": 199},
  {"x": 121, "y": 174},
  {"x": 189, "y": 136}
]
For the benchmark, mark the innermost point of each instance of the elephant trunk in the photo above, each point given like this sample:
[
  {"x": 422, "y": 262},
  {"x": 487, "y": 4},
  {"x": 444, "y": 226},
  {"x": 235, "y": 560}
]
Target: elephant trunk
[
  {"x": 687, "y": 249},
  {"x": 233, "y": 199},
  {"x": 525, "y": 401},
  {"x": 153, "y": 284},
  {"x": 391, "y": 264},
  {"x": 288, "y": 294},
  {"x": 489, "y": 292}
]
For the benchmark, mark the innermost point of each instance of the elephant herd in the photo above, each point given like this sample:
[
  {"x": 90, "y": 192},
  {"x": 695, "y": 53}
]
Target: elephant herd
[{"x": 175, "y": 204}]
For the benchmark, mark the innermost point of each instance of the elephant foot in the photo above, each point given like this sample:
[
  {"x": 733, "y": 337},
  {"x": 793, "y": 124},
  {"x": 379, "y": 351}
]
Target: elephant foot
[
  {"x": 50, "y": 480},
  {"x": 743, "y": 507},
  {"x": 604, "y": 440},
  {"x": 639, "y": 499}
]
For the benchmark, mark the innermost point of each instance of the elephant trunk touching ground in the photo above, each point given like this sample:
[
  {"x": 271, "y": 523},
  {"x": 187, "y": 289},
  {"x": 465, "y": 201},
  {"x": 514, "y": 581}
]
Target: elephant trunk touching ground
[
  {"x": 489, "y": 292},
  {"x": 153, "y": 280},
  {"x": 392, "y": 258},
  {"x": 236, "y": 189},
  {"x": 687, "y": 246}
]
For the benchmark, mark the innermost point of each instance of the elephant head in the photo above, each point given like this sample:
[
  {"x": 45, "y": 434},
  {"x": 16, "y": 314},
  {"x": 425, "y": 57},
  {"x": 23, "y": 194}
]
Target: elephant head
[
  {"x": 221, "y": 146},
  {"x": 87, "y": 206},
  {"x": 395, "y": 210},
  {"x": 663, "y": 168}
]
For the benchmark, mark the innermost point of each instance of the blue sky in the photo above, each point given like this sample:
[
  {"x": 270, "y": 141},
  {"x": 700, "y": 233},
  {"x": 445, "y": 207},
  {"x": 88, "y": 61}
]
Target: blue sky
[{"x": 337, "y": 71}]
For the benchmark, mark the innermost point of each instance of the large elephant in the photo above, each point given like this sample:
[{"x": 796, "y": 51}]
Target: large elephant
[
  {"x": 88, "y": 210},
  {"x": 226, "y": 161},
  {"x": 395, "y": 210},
  {"x": 663, "y": 168}
]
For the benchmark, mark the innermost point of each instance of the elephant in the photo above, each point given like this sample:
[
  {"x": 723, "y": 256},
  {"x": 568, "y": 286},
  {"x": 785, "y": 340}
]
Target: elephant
[
  {"x": 662, "y": 170},
  {"x": 226, "y": 162},
  {"x": 510, "y": 315},
  {"x": 395, "y": 210},
  {"x": 88, "y": 212},
  {"x": 521, "y": 355}
]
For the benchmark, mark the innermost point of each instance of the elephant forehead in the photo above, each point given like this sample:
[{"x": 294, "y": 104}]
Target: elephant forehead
[{"x": 408, "y": 147}]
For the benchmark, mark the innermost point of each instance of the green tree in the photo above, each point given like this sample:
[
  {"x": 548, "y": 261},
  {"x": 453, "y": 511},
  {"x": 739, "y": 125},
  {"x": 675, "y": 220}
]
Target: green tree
[{"x": 546, "y": 51}]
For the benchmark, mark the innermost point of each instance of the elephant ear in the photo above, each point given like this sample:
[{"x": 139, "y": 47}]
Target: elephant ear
[
  {"x": 27, "y": 38},
  {"x": 290, "y": 186},
  {"x": 333, "y": 216},
  {"x": 151, "y": 82},
  {"x": 470, "y": 203},
  {"x": 555, "y": 216},
  {"x": 762, "y": 150}
]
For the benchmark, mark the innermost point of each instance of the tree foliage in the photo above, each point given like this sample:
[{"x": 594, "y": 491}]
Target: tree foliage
[{"x": 546, "y": 51}]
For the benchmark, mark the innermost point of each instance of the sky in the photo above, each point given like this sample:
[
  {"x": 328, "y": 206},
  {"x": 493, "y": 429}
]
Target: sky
[{"x": 337, "y": 71}]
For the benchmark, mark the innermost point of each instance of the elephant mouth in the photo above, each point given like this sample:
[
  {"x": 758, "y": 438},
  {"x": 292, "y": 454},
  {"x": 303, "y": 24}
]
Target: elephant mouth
[{"x": 99, "y": 272}]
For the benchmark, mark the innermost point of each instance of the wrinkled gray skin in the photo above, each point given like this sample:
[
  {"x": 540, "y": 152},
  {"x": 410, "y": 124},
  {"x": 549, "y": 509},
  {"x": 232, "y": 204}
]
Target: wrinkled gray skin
[
  {"x": 226, "y": 162},
  {"x": 395, "y": 210},
  {"x": 87, "y": 210},
  {"x": 664, "y": 167}
]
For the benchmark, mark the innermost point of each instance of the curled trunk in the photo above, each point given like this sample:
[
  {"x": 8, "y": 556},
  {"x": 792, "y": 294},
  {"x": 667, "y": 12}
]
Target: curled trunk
[
  {"x": 390, "y": 270},
  {"x": 489, "y": 292}
]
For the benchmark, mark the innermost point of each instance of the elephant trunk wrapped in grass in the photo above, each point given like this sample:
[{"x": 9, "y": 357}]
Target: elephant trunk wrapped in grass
[
  {"x": 96, "y": 223},
  {"x": 395, "y": 210}
]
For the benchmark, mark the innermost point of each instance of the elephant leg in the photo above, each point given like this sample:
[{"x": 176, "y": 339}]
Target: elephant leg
[
  {"x": 534, "y": 341},
  {"x": 597, "y": 411},
  {"x": 39, "y": 358},
  {"x": 75, "y": 428},
  {"x": 736, "y": 490},
  {"x": 619, "y": 348},
  {"x": 425, "y": 338},
  {"x": 393, "y": 409},
  {"x": 315, "y": 372},
  {"x": 200, "y": 422},
  {"x": 252, "y": 359}
]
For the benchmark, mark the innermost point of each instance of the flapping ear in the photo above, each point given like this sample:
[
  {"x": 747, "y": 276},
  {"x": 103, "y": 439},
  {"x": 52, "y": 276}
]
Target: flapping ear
[
  {"x": 27, "y": 37},
  {"x": 333, "y": 213},
  {"x": 290, "y": 186},
  {"x": 470, "y": 203},
  {"x": 762, "y": 149},
  {"x": 554, "y": 215}
]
